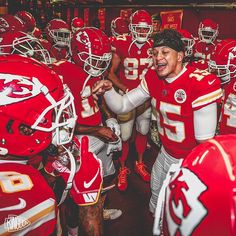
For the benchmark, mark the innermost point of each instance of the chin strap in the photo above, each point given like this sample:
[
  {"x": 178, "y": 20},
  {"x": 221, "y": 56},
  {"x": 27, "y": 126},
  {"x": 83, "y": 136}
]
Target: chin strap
[
  {"x": 70, "y": 177},
  {"x": 64, "y": 166}
]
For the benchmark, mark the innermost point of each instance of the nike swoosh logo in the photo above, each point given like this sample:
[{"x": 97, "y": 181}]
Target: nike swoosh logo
[
  {"x": 20, "y": 205},
  {"x": 211, "y": 82},
  {"x": 87, "y": 185}
]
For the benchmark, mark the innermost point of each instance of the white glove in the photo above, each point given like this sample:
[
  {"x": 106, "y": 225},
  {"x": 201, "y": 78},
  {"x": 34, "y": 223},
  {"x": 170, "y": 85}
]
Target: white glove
[
  {"x": 113, "y": 124},
  {"x": 114, "y": 146}
]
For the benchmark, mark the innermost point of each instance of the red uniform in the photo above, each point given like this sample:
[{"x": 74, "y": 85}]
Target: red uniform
[
  {"x": 228, "y": 112},
  {"x": 203, "y": 50},
  {"x": 75, "y": 77},
  {"x": 175, "y": 103},
  {"x": 134, "y": 60},
  {"x": 200, "y": 64},
  {"x": 27, "y": 203}
]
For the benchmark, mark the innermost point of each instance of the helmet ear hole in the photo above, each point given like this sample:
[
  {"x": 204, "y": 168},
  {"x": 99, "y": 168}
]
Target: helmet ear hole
[
  {"x": 9, "y": 126},
  {"x": 25, "y": 130}
]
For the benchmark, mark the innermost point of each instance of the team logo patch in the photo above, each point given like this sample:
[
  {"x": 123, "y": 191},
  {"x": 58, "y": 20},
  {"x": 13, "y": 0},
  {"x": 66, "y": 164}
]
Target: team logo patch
[
  {"x": 180, "y": 96},
  {"x": 183, "y": 203},
  {"x": 14, "y": 223}
]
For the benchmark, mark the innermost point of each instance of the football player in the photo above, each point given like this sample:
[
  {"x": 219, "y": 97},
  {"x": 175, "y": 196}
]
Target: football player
[
  {"x": 223, "y": 64},
  {"x": 193, "y": 189},
  {"x": 34, "y": 107},
  {"x": 58, "y": 35},
  {"x": 156, "y": 23},
  {"x": 90, "y": 58},
  {"x": 208, "y": 32},
  {"x": 186, "y": 100},
  {"x": 131, "y": 59}
]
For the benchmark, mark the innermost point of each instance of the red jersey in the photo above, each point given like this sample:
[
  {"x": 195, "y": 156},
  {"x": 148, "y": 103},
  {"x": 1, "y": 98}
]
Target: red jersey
[
  {"x": 55, "y": 52},
  {"x": 135, "y": 59},
  {"x": 203, "y": 50},
  {"x": 200, "y": 64},
  {"x": 59, "y": 53},
  {"x": 176, "y": 102},
  {"x": 75, "y": 77},
  {"x": 228, "y": 111},
  {"x": 27, "y": 203}
]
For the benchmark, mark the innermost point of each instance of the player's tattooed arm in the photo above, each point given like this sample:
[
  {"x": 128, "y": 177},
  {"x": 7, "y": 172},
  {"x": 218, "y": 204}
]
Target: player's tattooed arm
[{"x": 91, "y": 219}]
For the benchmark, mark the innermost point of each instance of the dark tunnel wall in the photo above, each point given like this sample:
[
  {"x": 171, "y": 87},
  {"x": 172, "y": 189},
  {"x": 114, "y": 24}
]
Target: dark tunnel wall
[
  {"x": 225, "y": 15},
  {"x": 192, "y": 17}
]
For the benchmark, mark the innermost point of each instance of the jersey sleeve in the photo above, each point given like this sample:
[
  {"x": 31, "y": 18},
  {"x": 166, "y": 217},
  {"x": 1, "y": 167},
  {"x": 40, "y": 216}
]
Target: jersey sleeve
[
  {"x": 149, "y": 81},
  {"x": 206, "y": 89},
  {"x": 117, "y": 43}
]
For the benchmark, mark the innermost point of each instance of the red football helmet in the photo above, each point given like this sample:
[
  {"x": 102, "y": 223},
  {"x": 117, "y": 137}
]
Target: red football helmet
[
  {"x": 91, "y": 48},
  {"x": 208, "y": 30},
  {"x": 58, "y": 33},
  {"x": 188, "y": 40},
  {"x": 28, "y": 20},
  {"x": 119, "y": 26},
  {"x": 141, "y": 26},
  {"x": 223, "y": 60},
  {"x": 37, "y": 33},
  {"x": 34, "y": 106},
  {"x": 200, "y": 197},
  {"x": 10, "y": 23},
  {"x": 76, "y": 24},
  {"x": 17, "y": 42}
]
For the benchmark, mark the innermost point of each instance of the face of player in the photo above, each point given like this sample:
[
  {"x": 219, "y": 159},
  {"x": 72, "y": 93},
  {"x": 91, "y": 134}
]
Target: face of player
[
  {"x": 167, "y": 62},
  {"x": 142, "y": 31},
  {"x": 156, "y": 25}
]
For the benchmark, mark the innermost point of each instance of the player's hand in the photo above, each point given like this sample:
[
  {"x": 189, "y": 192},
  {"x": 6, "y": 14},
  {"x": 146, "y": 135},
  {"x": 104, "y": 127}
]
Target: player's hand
[
  {"x": 100, "y": 87},
  {"x": 87, "y": 182},
  {"x": 107, "y": 134},
  {"x": 114, "y": 146},
  {"x": 113, "y": 124}
]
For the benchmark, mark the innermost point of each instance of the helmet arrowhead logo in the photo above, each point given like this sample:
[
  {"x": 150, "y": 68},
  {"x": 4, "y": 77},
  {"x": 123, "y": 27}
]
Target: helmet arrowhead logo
[{"x": 15, "y": 88}]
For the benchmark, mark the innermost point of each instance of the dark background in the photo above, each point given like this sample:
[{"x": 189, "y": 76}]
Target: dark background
[{"x": 224, "y": 13}]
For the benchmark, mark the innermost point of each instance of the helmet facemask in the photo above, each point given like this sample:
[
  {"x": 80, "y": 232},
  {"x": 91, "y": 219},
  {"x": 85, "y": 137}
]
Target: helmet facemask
[
  {"x": 31, "y": 47},
  {"x": 63, "y": 117},
  {"x": 95, "y": 65},
  {"x": 207, "y": 34},
  {"x": 188, "y": 46},
  {"x": 223, "y": 71},
  {"x": 141, "y": 32},
  {"x": 61, "y": 37}
]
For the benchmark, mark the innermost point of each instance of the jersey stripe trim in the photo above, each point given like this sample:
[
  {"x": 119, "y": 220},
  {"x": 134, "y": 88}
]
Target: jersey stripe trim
[
  {"x": 36, "y": 215},
  {"x": 208, "y": 98}
]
